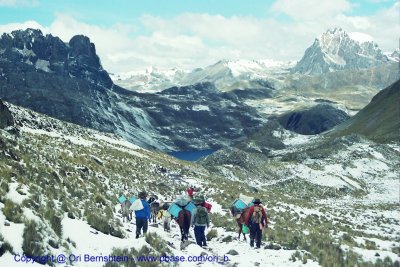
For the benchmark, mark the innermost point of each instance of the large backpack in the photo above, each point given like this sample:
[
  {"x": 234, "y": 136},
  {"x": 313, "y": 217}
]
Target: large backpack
[
  {"x": 256, "y": 217},
  {"x": 208, "y": 206},
  {"x": 201, "y": 215}
]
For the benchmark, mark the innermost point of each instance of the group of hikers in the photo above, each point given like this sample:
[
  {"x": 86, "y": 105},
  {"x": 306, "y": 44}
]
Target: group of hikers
[{"x": 253, "y": 218}]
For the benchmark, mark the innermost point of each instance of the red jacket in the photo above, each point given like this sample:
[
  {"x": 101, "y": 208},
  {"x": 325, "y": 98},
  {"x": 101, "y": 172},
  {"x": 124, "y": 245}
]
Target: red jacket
[
  {"x": 190, "y": 191},
  {"x": 251, "y": 210},
  {"x": 208, "y": 206}
]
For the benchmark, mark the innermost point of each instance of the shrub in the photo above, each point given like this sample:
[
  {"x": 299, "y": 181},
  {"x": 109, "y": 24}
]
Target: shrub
[
  {"x": 4, "y": 246},
  {"x": 213, "y": 233},
  {"x": 100, "y": 199},
  {"x": 157, "y": 243},
  {"x": 98, "y": 223},
  {"x": 116, "y": 231},
  {"x": 132, "y": 253},
  {"x": 5, "y": 187},
  {"x": 370, "y": 245},
  {"x": 55, "y": 221},
  {"x": 32, "y": 240},
  {"x": 12, "y": 211}
]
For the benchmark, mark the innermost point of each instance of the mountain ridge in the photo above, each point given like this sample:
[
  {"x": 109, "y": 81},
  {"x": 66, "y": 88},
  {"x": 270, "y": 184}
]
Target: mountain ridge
[{"x": 336, "y": 50}]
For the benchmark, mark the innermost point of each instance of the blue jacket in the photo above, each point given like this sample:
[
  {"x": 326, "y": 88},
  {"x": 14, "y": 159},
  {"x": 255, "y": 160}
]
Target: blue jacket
[{"x": 145, "y": 212}]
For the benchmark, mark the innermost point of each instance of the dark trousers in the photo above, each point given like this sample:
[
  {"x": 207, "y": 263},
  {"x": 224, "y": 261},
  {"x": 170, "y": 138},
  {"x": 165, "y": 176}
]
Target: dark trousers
[
  {"x": 255, "y": 234},
  {"x": 199, "y": 234},
  {"x": 141, "y": 223},
  {"x": 167, "y": 226}
]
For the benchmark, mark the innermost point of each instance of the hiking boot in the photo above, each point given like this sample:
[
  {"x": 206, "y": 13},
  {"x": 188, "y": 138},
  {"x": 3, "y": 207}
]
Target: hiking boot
[
  {"x": 137, "y": 235},
  {"x": 251, "y": 243}
]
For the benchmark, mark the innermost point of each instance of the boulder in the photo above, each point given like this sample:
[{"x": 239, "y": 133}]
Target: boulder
[{"x": 6, "y": 118}]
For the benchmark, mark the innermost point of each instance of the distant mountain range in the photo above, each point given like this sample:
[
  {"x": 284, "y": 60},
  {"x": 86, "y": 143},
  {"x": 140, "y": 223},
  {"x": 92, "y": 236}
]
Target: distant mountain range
[
  {"x": 226, "y": 75},
  {"x": 335, "y": 50}
]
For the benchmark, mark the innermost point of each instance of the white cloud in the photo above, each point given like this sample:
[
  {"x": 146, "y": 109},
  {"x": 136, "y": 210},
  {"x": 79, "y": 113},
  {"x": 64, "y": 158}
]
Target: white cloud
[
  {"x": 195, "y": 40},
  {"x": 27, "y": 24},
  {"x": 311, "y": 9}
]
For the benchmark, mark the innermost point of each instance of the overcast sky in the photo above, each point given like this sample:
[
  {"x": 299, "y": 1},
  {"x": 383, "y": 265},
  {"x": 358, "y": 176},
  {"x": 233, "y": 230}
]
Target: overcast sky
[{"x": 135, "y": 34}]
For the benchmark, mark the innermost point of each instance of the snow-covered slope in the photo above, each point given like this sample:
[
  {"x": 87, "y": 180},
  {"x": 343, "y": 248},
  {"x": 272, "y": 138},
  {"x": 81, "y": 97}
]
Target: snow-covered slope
[
  {"x": 149, "y": 80},
  {"x": 87, "y": 170}
]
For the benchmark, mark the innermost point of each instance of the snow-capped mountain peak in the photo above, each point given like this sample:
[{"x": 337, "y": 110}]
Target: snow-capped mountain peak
[
  {"x": 337, "y": 50},
  {"x": 361, "y": 37}
]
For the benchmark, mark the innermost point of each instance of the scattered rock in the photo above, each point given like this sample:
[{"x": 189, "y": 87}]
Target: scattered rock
[
  {"x": 185, "y": 244},
  {"x": 53, "y": 244},
  {"x": 273, "y": 246},
  {"x": 203, "y": 253},
  {"x": 377, "y": 254},
  {"x": 253, "y": 189},
  {"x": 227, "y": 239},
  {"x": 232, "y": 252},
  {"x": 6, "y": 223},
  {"x": 256, "y": 264},
  {"x": 171, "y": 245},
  {"x": 97, "y": 160}
]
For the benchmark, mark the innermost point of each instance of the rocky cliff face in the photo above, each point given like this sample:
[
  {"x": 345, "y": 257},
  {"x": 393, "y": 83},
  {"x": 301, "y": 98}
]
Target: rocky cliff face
[
  {"x": 6, "y": 118},
  {"x": 67, "y": 81},
  {"x": 77, "y": 58},
  {"x": 315, "y": 120},
  {"x": 335, "y": 50}
]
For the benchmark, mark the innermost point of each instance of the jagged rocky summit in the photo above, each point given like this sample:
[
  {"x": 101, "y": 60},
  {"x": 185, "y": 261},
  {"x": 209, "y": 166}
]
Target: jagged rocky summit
[
  {"x": 336, "y": 50},
  {"x": 48, "y": 53}
]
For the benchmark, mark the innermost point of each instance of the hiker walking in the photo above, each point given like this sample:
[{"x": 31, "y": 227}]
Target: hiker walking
[
  {"x": 165, "y": 216},
  {"x": 154, "y": 207},
  {"x": 256, "y": 221},
  {"x": 142, "y": 215},
  {"x": 200, "y": 220},
  {"x": 126, "y": 213},
  {"x": 190, "y": 192}
]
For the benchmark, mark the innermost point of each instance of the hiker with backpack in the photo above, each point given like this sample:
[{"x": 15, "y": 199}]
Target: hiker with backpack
[
  {"x": 200, "y": 220},
  {"x": 142, "y": 215},
  {"x": 256, "y": 220}
]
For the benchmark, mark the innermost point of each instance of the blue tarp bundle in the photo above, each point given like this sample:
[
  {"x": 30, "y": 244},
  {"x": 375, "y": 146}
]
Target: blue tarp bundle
[
  {"x": 182, "y": 201},
  {"x": 190, "y": 207},
  {"x": 121, "y": 199},
  {"x": 239, "y": 204},
  {"x": 174, "y": 210}
]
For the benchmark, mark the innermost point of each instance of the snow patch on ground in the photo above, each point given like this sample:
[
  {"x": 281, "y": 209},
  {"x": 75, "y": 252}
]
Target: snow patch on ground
[
  {"x": 43, "y": 65},
  {"x": 12, "y": 233},
  {"x": 16, "y": 197},
  {"x": 200, "y": 108}
]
